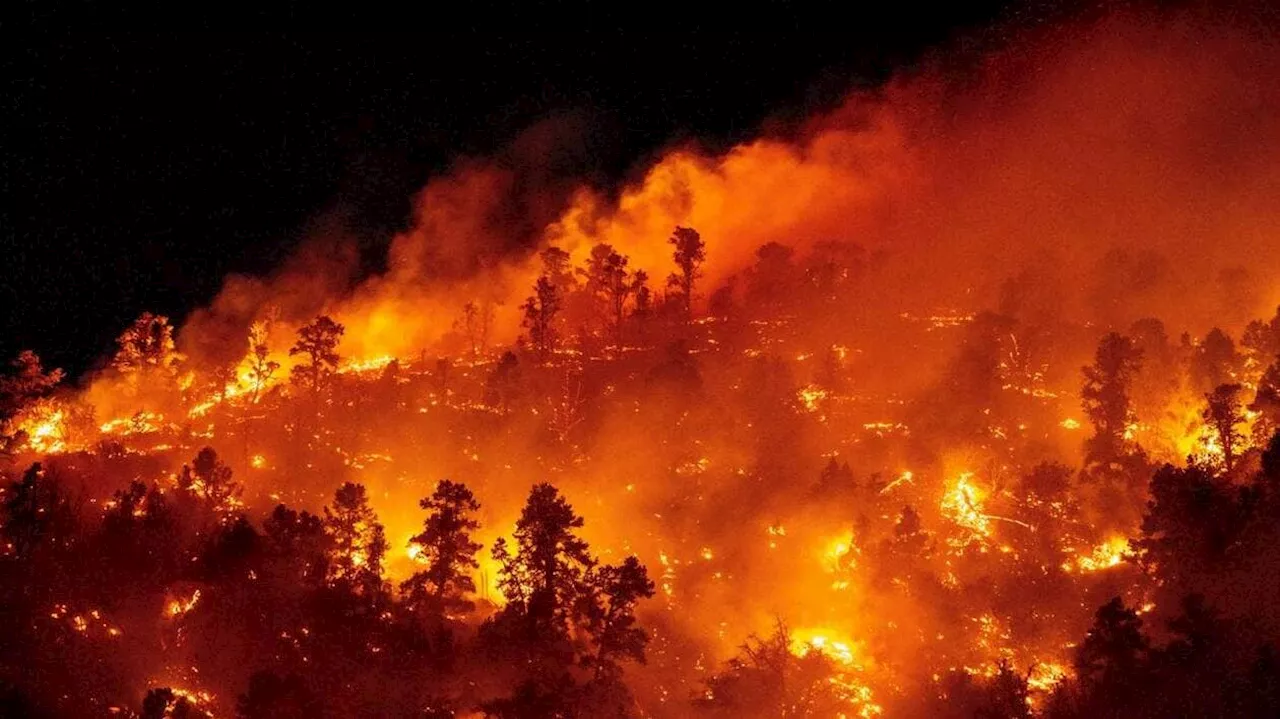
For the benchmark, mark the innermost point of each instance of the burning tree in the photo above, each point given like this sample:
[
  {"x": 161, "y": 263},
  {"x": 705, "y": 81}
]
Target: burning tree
[
  {"x": 690, "y": 252},
  {"x": 318, "y": 341},
  {"x": 261, "y": 366},
  {"x": 146, "y": 345},
  {"x": 447, "y": 549}
]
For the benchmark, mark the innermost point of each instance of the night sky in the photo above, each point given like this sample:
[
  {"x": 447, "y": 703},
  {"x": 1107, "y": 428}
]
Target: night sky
[{"x": 138, "y": 171}]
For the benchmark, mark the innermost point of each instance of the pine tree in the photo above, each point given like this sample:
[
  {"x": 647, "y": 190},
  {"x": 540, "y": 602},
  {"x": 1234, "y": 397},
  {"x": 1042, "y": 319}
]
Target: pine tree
[
  {"x": 1105, "y": 396},
  {"x": 1223, "y": 414},
  {"x": 318, "y": 341},
  {"x": 448, "y": 551},
  {"x": 543, "y": 578},
  {"x": 689, "y": 254},
  {"x": 359, "y": 542},
  {"x": 540, "y": 311}
]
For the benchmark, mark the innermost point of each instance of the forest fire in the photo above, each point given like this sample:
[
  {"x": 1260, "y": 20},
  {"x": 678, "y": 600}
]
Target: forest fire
[{"x": 601, "y": 468}]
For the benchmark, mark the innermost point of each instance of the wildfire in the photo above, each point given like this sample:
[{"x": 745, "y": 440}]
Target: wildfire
[
  {"x": 1110, "y": 553},
  {"x": 178, "y": 606},
  {"x": 140, "y": 423},
  {"x": 838, "y": 554},
  {"x": 810, "y": 397},
  {"x": 374, "y": 364},
  {"x": 1044, "y": 676},
  {"x": 847, "y": 681},
  {"x": 963, "y": 504},
  {"x": 905, "y": 478},
  {"x": 819, "y": 640},
  {"x": 46, "y": 429}
]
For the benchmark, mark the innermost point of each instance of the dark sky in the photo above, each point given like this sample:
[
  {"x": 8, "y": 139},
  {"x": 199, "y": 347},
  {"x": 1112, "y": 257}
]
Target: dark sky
[{"x": 138, "y": 171}]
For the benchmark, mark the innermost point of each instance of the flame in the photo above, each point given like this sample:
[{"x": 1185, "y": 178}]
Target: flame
[
  {"x": 181, "y": 605},
  {"x": 810, "y": 397},
  {"x": 45, "y": 425},
  {"x": 963, "y": 504},
  {"x": 822, "y": 641},
  {"x": 365, "y": 366},
  {"x": 1110, "y": 553}
]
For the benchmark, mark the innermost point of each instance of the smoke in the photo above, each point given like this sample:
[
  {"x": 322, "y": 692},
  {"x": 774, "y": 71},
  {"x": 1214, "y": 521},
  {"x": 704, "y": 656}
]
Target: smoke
[{"x": 1124, "y": 160}]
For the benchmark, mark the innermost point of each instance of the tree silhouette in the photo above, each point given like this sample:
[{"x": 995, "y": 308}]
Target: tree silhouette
[
  {"x": 477, "y": 320},
  {"x": 1105, "y": 396},
  {"x": 448, "y": 551},
  {"x": 1191, "y": 522},
  {"x": 774, "y": 279},
  {"x": 359, "y": 542},
  {"x": 209, "y": 478},
  {"x": 555, "y": 267},
  {"x": 540, "y": 311},
  {"x": 607, "y": 611},
  {"x": 1108, "y": 661},
  {"x": 643, "y": 308},
  {"x": 1223, "y": 414},
  {"x": 542, "y": 580},
  {"x": 689, "y": 254},
  {"x": 301, "y": 545},
  {"x": 617, "y": 288},
  {"x": 318, "y": 341}
]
